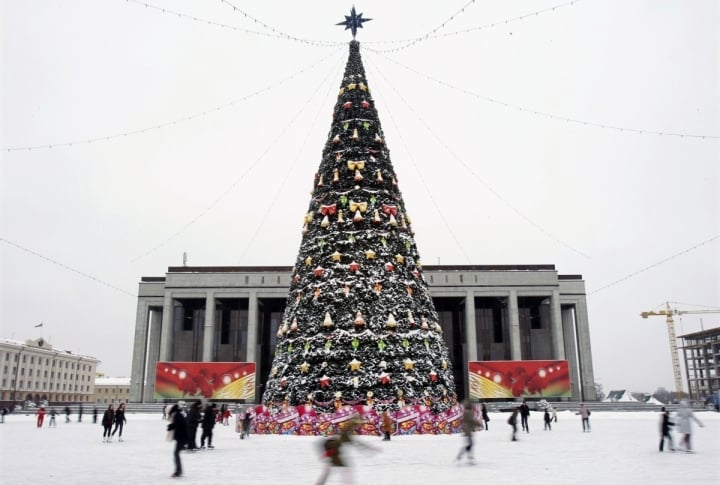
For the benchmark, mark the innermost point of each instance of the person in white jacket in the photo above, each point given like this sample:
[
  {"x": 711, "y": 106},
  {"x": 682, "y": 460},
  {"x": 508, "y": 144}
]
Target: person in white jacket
[{"x": 684, "y": 425}]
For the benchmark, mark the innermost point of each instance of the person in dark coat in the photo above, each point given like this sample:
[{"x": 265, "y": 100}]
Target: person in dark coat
[
  {"x": 119, "y": 420},
  {"x": 246, "y": 425},
  {"x": 485, "y": 417},
  {"x": 524, "y": 414},
  {"x": 67, "y": 414},
  {"x": 469, "y": 425},
  {"x": 178, "y": 426},
  {"x": 95, "y": 413},
  {"x": 208, "y": 423},
  {"x": 80, "y": 413},
  {"x": 547, "y": 419},
  {"x": 665, "y": 424},
  {"x": 107, "y": 422},
  {"x": 194, "y": 417},
  {"x": 512, "y": 421}
]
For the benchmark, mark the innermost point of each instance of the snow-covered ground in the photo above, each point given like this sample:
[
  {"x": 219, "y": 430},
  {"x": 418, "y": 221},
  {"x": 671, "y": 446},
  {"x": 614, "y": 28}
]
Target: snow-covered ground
[{"x": 622, "y": 448}]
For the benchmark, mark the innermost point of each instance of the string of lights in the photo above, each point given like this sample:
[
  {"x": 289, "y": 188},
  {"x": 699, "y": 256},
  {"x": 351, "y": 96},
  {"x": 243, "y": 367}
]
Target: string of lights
[
  {"x": 605, "y": 126},
  {"x": 435, "y": 204},
  {"x": 273, "y": 200},
  {"x": 480, "y": 179},
  {"x": 174, "y": 122},
  {"x": 227, "y": 191},
  {"x": 279, "y": 33},
  {"x": 435, "y": 35},
  {"x": 272, "y": 34},
  {"x": 65, "y": 266},
  {"x": 655, "y": 265}
]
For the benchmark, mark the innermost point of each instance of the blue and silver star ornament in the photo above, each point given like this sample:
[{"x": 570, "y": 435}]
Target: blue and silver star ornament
[{"x": 353, "y": 22}]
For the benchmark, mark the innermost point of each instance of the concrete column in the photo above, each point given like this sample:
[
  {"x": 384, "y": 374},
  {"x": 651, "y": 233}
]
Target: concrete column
[
  {"x": 252, "y": 327},
  {"x": 209, "y": 329},
  {"x": 556, "y": 326},
  {"x": 153, "y": 350},
  {"x": 137, "y": 372},
  {"x": 568, "y": 322},
  {"x": 166, "y": 334},
  {"x": 470, "y": 331},
  {"x": 514, "y": 317},
  {"x": 587, "y": 375}
]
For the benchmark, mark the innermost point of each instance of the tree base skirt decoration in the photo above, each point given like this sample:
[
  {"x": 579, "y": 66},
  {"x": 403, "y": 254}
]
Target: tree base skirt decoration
[{"x": 304, "y": 420}]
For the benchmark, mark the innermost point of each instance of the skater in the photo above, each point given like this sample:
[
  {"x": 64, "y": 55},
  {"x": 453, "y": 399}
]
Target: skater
[
  {"x": 95, "y": 413},
  {"x": 554, "y": 414},
  {"x": 119, "y": 420},
  {"x": 524, "y": 414},
  {"x": 684, "y": 417},
  {"x": 67, "y": 414},
  {"x": 333, "y": 451},
  {"x": 80, "y": 412},
  {"x": 208, "y": 423},
  {"x": 547, "y": 419},
  {"x": 665, "y": 424},
  {"x": 107, "y": 422},
  {"x": 227, "y": 414},
  {"x": 178, "y": 427},
  {"x": 469, "y": 425},
  {"x": 584, "y": 414},
  {"x": 3, "y": 413},
  {"x": 387, "y": 425},
  {"x": 512, "y": 421},
  {"x": 40, "y": 416},
  {"x": 194, "y": 417},
  {"x": 485, "y": 416},
  {"x": 52, "y": 423},
  {"x": 246, "y": 425}
]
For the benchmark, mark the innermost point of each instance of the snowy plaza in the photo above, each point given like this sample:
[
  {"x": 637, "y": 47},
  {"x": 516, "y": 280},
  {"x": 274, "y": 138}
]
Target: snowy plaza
[{"x": 621, "y": 448}]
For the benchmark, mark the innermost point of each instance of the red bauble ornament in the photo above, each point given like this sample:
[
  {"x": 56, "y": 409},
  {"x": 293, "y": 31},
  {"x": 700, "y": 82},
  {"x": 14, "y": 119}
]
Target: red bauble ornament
[
  {"x": 364, "y": 104},
  {"x": 318, "y": 272},
  {"x": 354, "y": 266},
  {"x": 389, "y": 267},
  {"x": 324, "y": 381},
  {"x": 347, "y": 105}
]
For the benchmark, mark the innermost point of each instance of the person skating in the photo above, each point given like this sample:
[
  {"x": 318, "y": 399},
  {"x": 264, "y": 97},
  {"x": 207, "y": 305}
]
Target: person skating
[
  {"x": 80, "y": 413},
  {"x": 52, "y": 423},
  {"x": 119, "y": 420},
  {"x": 246, "y": 425},
  {"x": 178, "y": 427},
  {"x": 67, "y": 414},
  {"x": 469, "y": 425},
  {"x": 208, "y": 423},
  {"x": 485, "y": 416},
  {"x": 554, "y": 414},
  {"x": 387, "y": 425},
  {"x": 194, "y": 417},
  {"x": 40, "y": 416},
  {"x": 547, "y": 419},
  {"x": 665, "y": 424},
  {"x": 512, "y": 421},
  {"x": 333, "y": 452},
  {"x": 584, "y": 414},
  {"x": 685, "y": 416},
  {"x": 107, "y": 422},
  {"x": 95, "y": 413},
  {"x": 524, "y": 414}
]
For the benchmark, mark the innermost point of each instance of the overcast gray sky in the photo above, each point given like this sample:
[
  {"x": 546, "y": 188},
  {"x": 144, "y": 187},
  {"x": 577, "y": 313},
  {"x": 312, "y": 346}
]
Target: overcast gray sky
[{"x": 513, "y": 143}]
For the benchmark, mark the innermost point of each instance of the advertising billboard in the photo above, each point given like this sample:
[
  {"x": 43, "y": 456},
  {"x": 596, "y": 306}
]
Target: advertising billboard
[
  {"x": 205, "y": 380},
  {"x": 498, "y": 379}
]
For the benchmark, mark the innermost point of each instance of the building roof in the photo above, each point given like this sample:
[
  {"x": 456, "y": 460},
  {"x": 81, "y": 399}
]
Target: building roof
[
  {"x": 112, "y": 381},
  {"x": 710, "y": 332}
]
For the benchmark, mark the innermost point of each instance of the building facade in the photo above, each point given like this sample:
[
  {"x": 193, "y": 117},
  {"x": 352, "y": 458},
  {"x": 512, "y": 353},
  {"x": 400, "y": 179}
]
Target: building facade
[
  {"x": 34, "y": 371},
  {"x": 112, "y": 390},
  {"x": 701, "y": 352},
  {"x": 507, "y": 312}
]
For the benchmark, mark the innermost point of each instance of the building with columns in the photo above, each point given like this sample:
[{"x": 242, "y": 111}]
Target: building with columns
[{"x": 501, "y": 312}]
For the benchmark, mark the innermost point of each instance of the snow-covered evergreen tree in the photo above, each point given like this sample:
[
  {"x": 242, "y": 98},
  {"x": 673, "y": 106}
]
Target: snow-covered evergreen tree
[{"x": 359, "y": 325}]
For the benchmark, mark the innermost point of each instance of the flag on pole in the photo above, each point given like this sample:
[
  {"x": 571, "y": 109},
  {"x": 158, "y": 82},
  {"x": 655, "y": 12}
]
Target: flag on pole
[{"x": 39, "y": 325}]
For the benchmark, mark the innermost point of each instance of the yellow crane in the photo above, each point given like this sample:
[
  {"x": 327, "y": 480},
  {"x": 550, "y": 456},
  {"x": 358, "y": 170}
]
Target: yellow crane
[{"x": 668, "y": 314}]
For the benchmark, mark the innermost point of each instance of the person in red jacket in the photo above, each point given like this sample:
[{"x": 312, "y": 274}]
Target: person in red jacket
[{"x": 40, "y": 416}]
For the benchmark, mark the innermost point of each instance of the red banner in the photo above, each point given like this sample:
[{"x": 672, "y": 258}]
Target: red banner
[
  {"x": 205, "y": 380},
  {"x": 497, "y": 379}
]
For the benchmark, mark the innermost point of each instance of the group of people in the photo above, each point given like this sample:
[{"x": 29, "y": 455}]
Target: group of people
[
  {"x": 112, "y": 417},
  {"x": 41, "y": 412},
  {"x": 684, "y": 418}
]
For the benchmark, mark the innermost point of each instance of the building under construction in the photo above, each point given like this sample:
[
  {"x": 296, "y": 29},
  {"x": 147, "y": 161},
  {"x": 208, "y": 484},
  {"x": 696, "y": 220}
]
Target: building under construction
[{"x": 701, "y": 351}]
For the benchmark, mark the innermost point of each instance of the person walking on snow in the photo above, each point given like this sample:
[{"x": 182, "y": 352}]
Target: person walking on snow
[
  {"x": 584, "y": 414},
  {"x": 194, "y": 418},
  {"x": 333, "y": 446},
  {"x": 469, "y": 424},
  {"x": 107, "y": 422},
  {"x": 512, "y": 421},
  {"x": 246, "y": 425},
  {"x": 178, "y": 427},
  {"x": 208, "y": 423},
  {"x": 52, "y": 423},
  {"x": 524, "y": 415},
  {"x": 665, "y": 424},
  {"x": 547, "y": 419},
  {"x": 684, "y": 417}
]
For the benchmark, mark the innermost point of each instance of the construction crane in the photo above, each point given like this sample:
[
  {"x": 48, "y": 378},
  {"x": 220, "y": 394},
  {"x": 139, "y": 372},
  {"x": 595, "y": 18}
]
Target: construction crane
[{"x": 668, "y": 314}]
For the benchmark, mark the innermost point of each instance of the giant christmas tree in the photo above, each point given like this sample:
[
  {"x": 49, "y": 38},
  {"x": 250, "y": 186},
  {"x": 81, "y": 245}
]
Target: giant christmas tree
[{"x": 359, "y": 325}]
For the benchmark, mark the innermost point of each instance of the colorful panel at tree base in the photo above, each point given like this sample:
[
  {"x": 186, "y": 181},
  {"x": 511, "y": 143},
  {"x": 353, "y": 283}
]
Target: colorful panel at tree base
[
  {"x": 497, "y": 379},
  {"x": 205, "y": 380}
]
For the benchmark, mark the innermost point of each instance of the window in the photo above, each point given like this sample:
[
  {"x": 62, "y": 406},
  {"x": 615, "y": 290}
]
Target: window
[
  {"x": 32, "y": 359},
  {"x": 30, "y": 372},
  {"x": 22, "y": 371},
  {"x": 45, "y": 373},
  {"x": 24, "y": 358}
]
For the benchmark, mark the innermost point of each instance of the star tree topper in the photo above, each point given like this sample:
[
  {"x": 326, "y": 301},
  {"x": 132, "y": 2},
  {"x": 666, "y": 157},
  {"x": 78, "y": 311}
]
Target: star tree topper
[{"x": 353, "y": 22}]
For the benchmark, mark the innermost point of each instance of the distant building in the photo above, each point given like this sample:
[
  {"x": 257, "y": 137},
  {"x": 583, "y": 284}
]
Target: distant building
[
  {"x": 34, "y": 371},
  {"x": 701, "y": 351},
  {"x": 487, "y": 313},
  {"x": 620, "y": 396},
  {"x": 111, "y": 390}
]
